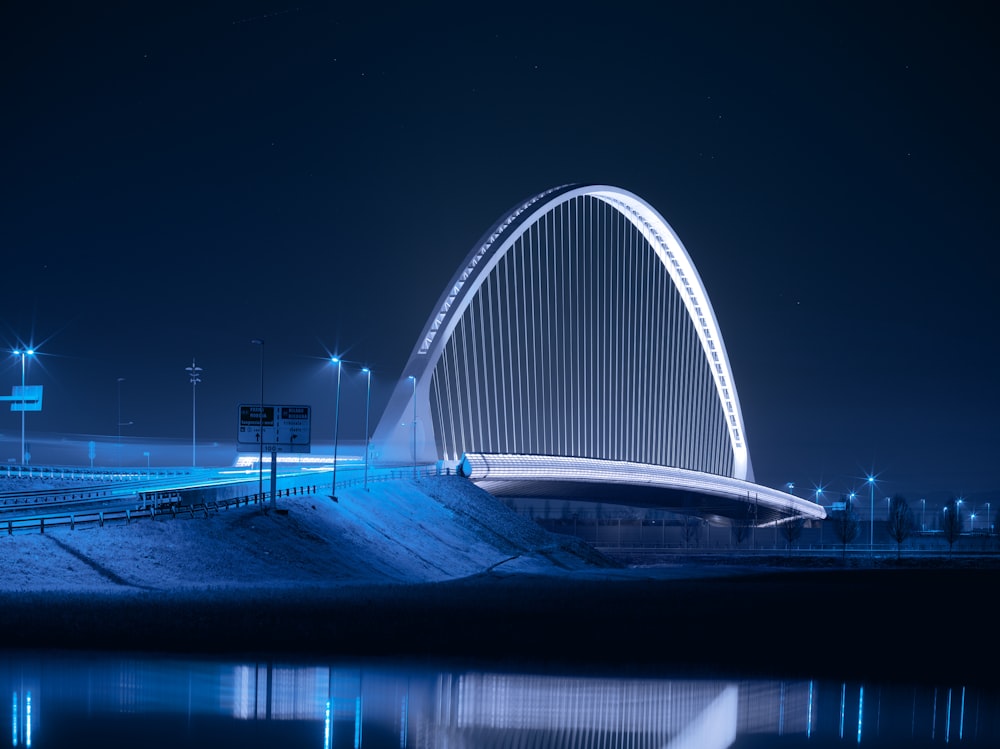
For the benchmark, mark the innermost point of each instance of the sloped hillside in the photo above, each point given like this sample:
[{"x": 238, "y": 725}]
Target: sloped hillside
[{"x": 427, "y": 530}]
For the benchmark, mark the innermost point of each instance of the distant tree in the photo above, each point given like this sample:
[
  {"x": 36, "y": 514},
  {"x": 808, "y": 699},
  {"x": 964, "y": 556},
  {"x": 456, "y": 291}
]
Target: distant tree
[
  {"x": 690, "y": 525},
  {"x": 792, "y": 530},
  {"x": 846, "y": 524},
  {"x": 741, "y": 529},
  {"x": 901, "y": 523},
  {"x": 951, "y": 523}
]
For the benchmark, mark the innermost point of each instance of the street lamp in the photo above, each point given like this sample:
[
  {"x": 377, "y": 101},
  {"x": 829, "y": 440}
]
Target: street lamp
[
  {"x": 871, "y": 519},
  {"x": 819, "y": 493},
  {"x": 414, "y": 381},
  {"x": 260, "y": 423},
  {"x": 120, "y": 422},
  {"x": 958, "y": 513},
  {"x": 368, "y": 401},
  {"x": 923, "y": 512},
  {"x": 336, "y": 428},
  {"x": 23, "y": 353},
  {"x": 194, "y": 372}
]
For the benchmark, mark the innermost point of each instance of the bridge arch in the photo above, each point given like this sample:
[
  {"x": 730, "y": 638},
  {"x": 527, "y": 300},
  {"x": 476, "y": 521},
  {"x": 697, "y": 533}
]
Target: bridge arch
[{"x": 577, "y": 326}]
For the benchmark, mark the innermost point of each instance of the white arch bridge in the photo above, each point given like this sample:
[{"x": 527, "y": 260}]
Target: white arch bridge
[{"x": 575, "y": 353}]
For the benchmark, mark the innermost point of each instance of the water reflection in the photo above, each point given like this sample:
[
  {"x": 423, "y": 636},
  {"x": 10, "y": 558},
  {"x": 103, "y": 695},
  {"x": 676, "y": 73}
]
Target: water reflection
[{"x": 58, "y": 700}]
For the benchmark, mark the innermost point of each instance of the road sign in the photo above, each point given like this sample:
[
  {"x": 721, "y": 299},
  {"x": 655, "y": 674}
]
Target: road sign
[
  {"x": 282, "y": 429},
  {"x": 24, "y": 398}
]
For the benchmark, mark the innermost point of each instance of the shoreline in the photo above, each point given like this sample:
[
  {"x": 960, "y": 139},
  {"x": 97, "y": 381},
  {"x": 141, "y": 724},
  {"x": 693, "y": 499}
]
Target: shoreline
[{"x": 883, "y": 625}]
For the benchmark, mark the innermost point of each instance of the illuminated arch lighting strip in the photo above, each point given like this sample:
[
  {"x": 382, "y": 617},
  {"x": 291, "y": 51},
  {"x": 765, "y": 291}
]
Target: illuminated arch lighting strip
[
  {"x": 676, "y": 260},
  {"x": 470, "y": 269},
  {"x": 668, "y": 248}
]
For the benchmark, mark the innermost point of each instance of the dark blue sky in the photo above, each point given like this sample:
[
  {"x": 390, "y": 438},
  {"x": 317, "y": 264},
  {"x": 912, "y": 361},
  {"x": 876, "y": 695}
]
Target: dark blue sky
[{"x": 180, "y": 179}]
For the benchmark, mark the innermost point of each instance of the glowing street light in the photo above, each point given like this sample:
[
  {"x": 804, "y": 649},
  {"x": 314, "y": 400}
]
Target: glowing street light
[
  {"x": 368, "y": 401},
  {"x": 194, "y": 373},
  {"x": 923, "y": 512},
  {"x": 260, "y": 432},
  {"x": 336, "y": 427},
  {"x": 871, "y": 519},
  {"x": 819, "y": 493},
  {"x": 23, "y": 353}
]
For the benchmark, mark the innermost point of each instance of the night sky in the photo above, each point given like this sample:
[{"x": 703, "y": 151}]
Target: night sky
[{"x": 178, "y": 180}]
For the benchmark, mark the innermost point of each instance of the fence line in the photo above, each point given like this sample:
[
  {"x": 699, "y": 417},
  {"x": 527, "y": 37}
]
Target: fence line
[{"x": 154, "y": 504}]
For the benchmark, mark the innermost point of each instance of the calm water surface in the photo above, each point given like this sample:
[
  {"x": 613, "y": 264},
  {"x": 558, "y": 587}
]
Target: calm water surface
[{"x": 56, "y": 700}]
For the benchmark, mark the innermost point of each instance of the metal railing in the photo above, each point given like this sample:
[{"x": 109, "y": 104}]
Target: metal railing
[
  {"x": 153, "y": 504},
  {"x": 165, "y": 506}
]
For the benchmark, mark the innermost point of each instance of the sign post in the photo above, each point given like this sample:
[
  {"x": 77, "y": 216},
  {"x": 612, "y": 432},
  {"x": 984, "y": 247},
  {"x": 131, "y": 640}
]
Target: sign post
[{"x": 274, "y": 429}]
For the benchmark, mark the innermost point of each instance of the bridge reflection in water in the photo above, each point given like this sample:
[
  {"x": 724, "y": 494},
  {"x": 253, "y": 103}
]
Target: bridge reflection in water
[{"x": 119, "y": 701}]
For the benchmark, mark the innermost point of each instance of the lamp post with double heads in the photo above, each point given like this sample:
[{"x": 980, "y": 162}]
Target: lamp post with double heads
[
  {"x": 23, "y": 353},
  {"x": 336, "y": 427},
  {"x": 260, "y": 424},
  {"x": 194, "y": 372},
  {"x": 414, "y": 425},
  {"x": 368, "y": 401}
]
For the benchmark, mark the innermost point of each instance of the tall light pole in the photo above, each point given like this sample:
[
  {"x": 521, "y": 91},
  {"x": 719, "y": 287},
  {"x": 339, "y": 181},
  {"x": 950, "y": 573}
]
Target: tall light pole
[
  {"x": 368, "y": 401},
  {"x": 871, "y": 518},
  {"x": 923, "y": 512},
  {"x": 260, "y": 423},
  {"x": 23, "y": 353},
  {"x": 336, "y": 427},
  {"x": 819, "y": 493},
  {"x": 119, "y": 445},
  {"x": 414, "y": 426},
  {"x": 194, "y": 372}
]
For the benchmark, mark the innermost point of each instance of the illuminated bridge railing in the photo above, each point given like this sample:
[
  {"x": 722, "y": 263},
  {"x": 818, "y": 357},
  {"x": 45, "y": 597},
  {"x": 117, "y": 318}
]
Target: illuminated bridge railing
[{"x": 523, "y": 472}]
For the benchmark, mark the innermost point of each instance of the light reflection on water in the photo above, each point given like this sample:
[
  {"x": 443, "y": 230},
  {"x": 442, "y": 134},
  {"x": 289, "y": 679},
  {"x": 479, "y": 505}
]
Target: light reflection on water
[{"x": 62, "y": 700}]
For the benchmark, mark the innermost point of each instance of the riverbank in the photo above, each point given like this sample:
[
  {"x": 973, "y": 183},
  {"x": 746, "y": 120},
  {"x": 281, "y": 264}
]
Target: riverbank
[
  {"x": 438, "y": 570},
  {"x": 911, "y": 626}
]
